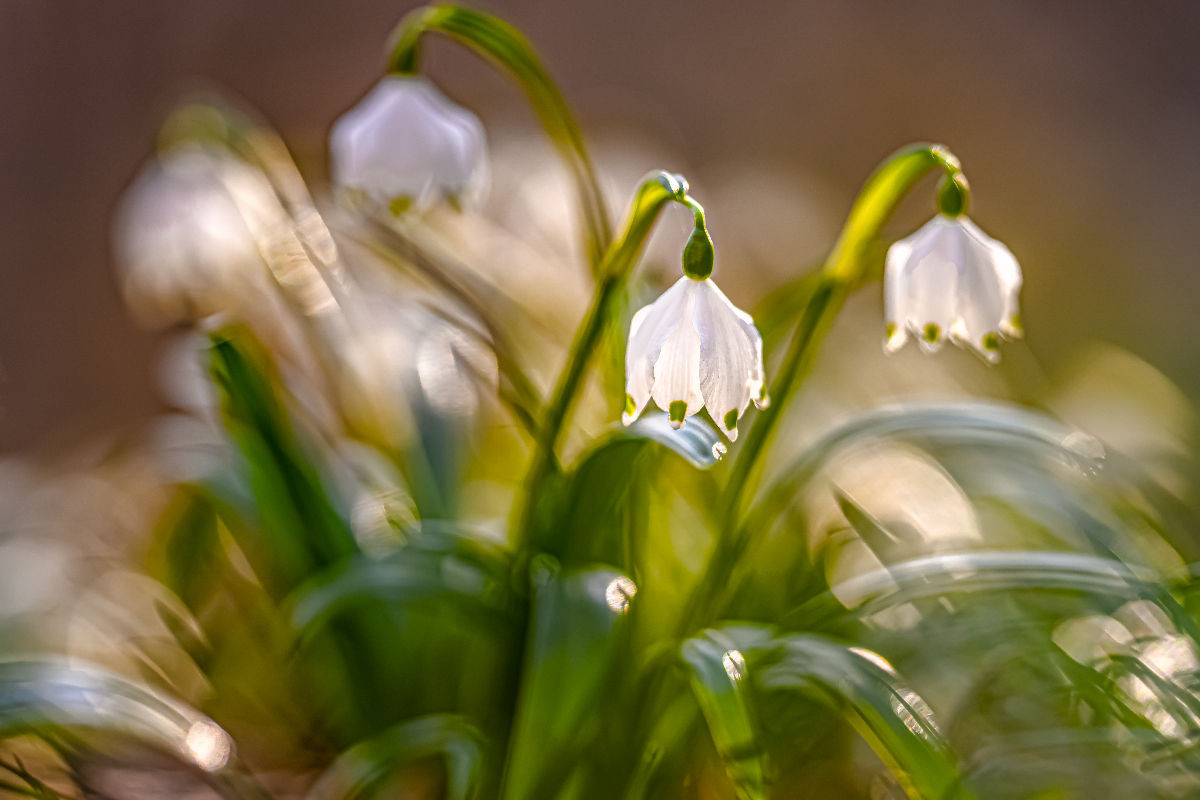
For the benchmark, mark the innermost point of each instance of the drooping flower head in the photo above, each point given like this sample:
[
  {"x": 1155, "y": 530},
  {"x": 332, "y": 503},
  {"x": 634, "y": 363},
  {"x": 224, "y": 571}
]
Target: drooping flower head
[
  {"x": 692, "y": 348},
  {"x": 182, "y": 246},
  {"x": 406, "y": 145},
  {"x": 951, "y": 278}
]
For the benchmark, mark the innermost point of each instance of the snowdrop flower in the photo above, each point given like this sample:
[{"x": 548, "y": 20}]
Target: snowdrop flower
[
  {"x": 406, "y": 145},
  {"x": 182, "y": 246},
  {"x": 690, "y": 349},
  {"x": 951, "y": 277}
]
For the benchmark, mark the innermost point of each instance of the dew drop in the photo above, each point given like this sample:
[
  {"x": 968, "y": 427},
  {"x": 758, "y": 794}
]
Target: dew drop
[
  {"x": 874, "y": 658},
  {"x": 734, "y": 664},
  {"x": 208, "y": 745},
  {"x": 719, "y": 450},
  {"x": 1087, "y": 448},
  {"x": 619, "y": 592}
]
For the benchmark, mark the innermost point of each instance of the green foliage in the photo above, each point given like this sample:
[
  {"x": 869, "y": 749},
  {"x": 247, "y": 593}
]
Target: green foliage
[
  {"x": 368, "y": 768},
  {"x": 950, "y": 600},
  {"x": 577, "y": 652},
  {"x": 298, "y": 529},
  {"x": 896, "y": 723},
  {"x": 718, "y": 670}
]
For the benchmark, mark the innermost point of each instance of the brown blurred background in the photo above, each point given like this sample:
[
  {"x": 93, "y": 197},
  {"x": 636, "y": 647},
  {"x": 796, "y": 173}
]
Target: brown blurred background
[{"x": 1079, "y": 125}]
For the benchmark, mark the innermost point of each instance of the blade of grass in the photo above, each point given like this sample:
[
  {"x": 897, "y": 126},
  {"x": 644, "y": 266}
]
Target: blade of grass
[
  {"x": 363, "y": 770},
  {"x": 46, "y": 694},
  {"x": 892, "y": 719},
  {"x": 718, "y": 670}
]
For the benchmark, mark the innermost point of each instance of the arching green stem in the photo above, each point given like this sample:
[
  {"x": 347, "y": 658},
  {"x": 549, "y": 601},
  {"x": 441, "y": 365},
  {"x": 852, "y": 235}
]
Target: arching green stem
[
  {"x": 843, "y": 270},
  {"x": 656, "y": 190},
  {"x": 507, "y": 48}
]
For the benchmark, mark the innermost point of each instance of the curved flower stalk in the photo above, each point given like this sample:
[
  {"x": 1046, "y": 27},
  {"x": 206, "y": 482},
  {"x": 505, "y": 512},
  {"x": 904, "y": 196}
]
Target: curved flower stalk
[
  {"x": 655, "y": 191},
  {"x": 507, "y": 48},
  {"x": 952, "y": 277},
  {"x": 691, "y": 349},
  {"x": 406, "y": 145},
  {"x": 842, "y": 271}
]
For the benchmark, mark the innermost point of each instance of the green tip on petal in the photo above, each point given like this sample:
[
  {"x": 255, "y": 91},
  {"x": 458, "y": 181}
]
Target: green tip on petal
[
  {"x": 400, "y": 204},
  {"x": 731, "y": 420},
  {"x": 677, "y": 410},
  {"x": 991, "y": 341},
  {"x": 889, "y": 330},
  {"x": 630, "y": 405},
  {"x": 1015, "y": 321},
  {"x": 933, "y": 332}
]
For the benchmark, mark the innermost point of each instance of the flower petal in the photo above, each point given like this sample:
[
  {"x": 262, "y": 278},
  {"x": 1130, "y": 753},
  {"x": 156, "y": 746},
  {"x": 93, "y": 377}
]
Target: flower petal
[
  {"x": 649, "y": 329},
  {"x": 406, "y": 140},
  {"x": 1003, "y": 264},
  {"x": 991, "y": 279},
  {"x": 931, "y": 278},
  {"x": 677, "y": 369},
  {"x": 639, "y": 375},
  {"x": 895, "y": 299},
  {"x": 731, "y": 369}
]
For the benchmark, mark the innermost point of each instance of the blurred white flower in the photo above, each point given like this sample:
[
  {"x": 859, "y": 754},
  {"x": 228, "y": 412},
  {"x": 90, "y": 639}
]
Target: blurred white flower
[
  {"x": 406, "y": 145},
  {"x": 400, "y": 353},
  {"x": 182, "y": 247},
  {"x": 951, "y": 277},
  {"x": 692, "y": 348}
]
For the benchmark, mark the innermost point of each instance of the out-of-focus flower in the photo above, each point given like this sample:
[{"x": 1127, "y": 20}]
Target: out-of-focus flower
[
  {"x": 951, "y": 277},
  {"x": 401, "y": 354},
  {"x": 406, "y": 145},
  {"x": 183, "y": 249},
  {"x": 692, "y": 348}
]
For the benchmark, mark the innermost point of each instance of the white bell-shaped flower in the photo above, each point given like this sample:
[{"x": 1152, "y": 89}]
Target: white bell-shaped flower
[
  {"x": 951, "y": 278},
  {"x": 690, "y": 349},
  {"x": 181, "y": 245},
  {"x": 406, "y": 145}
]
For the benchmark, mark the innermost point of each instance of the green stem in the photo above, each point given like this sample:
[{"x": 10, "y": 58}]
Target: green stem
[
  {"x": 507, "y": 48},
  {"x": 843, "y": 270},
  {"x": 656, "y": 190}
]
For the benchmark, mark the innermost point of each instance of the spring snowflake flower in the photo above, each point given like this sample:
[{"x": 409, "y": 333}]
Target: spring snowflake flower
[
  {"x": 406, "y": 145},
  {"x": 181, "y": 245},
  {"x": 951, "y": 277},
  {"x": 690, "y": 349}
]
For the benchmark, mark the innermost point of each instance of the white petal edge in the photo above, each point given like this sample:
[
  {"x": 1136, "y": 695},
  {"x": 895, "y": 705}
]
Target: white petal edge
[
  {"x": 677, "y": 367},
  {"x": 731, "y": 371},
  {"x": 649, "y": 330}
]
